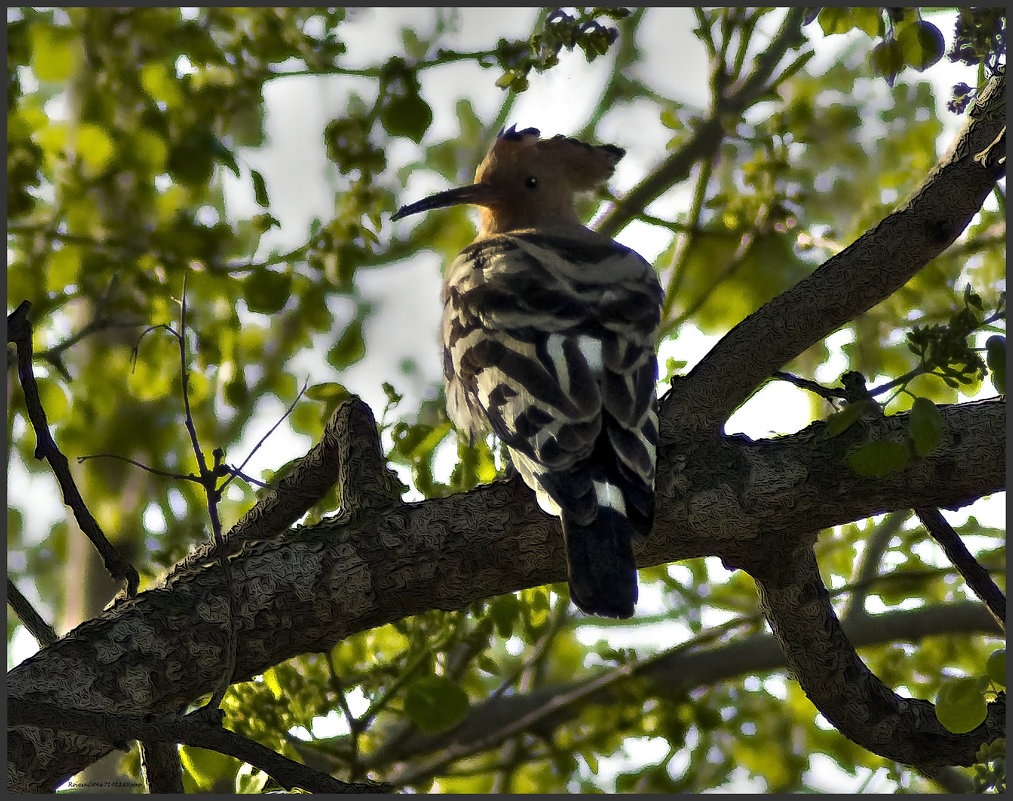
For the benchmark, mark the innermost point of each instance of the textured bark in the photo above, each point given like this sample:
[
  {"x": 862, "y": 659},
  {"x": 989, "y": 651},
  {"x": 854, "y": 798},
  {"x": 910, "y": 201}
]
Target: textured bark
[
  {"x": 311, "y": 587},
  {"x": 835, "y": 679},
  {"x": 754, "y": 504}
]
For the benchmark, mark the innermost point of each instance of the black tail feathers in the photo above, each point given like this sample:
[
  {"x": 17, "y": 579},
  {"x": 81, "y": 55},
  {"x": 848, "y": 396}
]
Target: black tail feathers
[{"x": 603, "y": 575}]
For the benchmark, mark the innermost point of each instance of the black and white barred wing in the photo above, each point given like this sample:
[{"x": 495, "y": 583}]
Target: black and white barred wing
[{"x": 551, "y": 341}]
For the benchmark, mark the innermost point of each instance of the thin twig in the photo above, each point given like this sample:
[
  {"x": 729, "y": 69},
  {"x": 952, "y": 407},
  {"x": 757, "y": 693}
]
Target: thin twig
[
  {"x": 146, "y": 468},
  {"x": 209, "y": 480},
  {"x": 19, "y": 331},
  {"x": 867, "y": 571},
  {"x": 827, "y": 393},
  {"x": 263, "y": 439}
]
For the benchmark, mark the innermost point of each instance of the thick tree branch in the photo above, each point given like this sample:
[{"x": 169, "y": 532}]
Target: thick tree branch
[
  {"x": 348, "y": 455},
  {"x": 312, "y": 587},
  {"x": 835, "y": 679},
  {"x": 724, "y": 496},
  {"x": 851, "y": 282}
]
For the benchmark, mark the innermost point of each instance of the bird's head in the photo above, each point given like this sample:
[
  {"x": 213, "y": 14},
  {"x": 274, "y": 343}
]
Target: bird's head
[{"x": 527, "y": 182}]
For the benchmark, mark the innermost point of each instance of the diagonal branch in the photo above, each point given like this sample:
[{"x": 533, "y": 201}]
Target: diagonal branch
[
  {"x": 709, "y": 133},
  {"x": 822, "y": 660},
  {"x": 19, "y": 331},
  {"x": 856, "y": 279},
  {"x": 191, "y": 730},
  {"x": 348, "y": 454},
  {"x": 974, "y": 574}
]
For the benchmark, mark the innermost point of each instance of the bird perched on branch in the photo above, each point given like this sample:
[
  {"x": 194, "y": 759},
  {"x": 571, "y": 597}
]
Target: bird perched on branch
[{"x": 548, "y": 338}]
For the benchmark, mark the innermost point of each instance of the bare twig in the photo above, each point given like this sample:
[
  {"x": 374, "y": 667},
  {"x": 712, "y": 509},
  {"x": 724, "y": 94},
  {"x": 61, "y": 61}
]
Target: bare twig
[
  {"x": 238, "y": 471},
  {"x": 827, "y": 393},
  {"x": 153, "y": 470},
  {"x": 867, "y": 571},
  {"x": 19, "y": 331},
  {"x": 209, "y": 480}
]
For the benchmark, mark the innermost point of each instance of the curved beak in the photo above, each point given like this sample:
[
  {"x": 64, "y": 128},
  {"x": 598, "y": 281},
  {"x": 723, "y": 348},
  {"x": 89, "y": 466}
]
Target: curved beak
[{"x": 476, "y": 194}]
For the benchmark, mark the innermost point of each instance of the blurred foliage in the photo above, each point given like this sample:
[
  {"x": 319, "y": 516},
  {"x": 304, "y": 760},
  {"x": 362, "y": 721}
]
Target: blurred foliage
[{"x": 126, "y": 125}]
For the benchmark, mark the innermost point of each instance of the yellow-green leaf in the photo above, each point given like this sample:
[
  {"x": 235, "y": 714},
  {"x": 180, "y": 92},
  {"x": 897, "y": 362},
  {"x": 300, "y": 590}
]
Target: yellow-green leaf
[
  {"x": 53, "y": 52},
  {"x": 921, "y": 43},
  {"x": 63, "y": 268},
  {"x": 841, "y": 421},
  {"x": 94, "y": 147},
  {"x": 436, "y": 703},
  {"x": 329, "y": 391},
  {"x": 925, "y": 425},
  {"x": 995, "y": 349},
  {"x": 996, "y": 667},
  {"x": 160, "y": 84},
  {"x": 879, "y": 459},
  {"x": 960, "y": 705}
]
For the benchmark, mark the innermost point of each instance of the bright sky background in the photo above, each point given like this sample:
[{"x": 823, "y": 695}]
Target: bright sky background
[{"x": 405, "y": 323}]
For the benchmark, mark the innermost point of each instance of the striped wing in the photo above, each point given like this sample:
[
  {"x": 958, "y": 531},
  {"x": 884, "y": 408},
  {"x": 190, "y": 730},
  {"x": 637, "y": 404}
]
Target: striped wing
[{"x": 550, "y": 341}]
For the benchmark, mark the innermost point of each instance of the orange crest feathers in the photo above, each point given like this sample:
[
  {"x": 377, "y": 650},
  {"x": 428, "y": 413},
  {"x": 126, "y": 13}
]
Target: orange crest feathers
[{"x": 584, "y": 166}]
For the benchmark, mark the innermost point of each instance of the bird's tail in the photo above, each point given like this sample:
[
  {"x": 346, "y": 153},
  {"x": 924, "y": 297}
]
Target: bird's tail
[{"x": 603, "y": 575}]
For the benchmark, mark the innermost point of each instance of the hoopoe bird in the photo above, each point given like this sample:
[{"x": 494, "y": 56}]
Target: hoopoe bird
[{"x": 549, "y": 339}]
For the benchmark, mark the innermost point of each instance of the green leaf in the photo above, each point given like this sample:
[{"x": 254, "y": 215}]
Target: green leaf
[
  {"x": 921, "y": 44},
  {"x": 94, "y": 147},
  {"x": 63, "y": 268},
  {"x": 925, "y": 425},
  {"x": 264, "y": 222},
  {"x": 52, "y": 52},
  {"x": 267, "y": 291},
  {"x": 505, "y": 611},
  {"x": 870, "y": 20},
  {"x": 879, "y": 459},
  {"x": 960, "y": 705},
  {"x": 223, "y": 155},
  {"x": 835, "y": 20},
  {"x": 841, "y": 421},
  {"x": 407, "y": 116},
  {"x": 349, "y": 348},
  {"x": 260, "y": 189},
  {"x": 887, "y": 59},
  {"x": 272, "y": 683},
  {"x": 995, "y": 348},
  {"x": 995, "y": 668},
  {"x": 205, "y": 767},
  {"x": 160, "y": 82},
  {"x": 436, "y": 704},
  {"x": 329, "y": 392}
]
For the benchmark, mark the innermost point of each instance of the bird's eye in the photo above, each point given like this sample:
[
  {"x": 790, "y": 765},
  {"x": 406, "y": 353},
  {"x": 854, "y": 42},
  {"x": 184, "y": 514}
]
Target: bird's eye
[{"x": 531, "y": 182}]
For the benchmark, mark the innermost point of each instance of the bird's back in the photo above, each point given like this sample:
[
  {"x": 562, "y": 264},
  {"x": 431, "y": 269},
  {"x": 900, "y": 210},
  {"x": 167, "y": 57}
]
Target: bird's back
[{"x": 549, "y": 339}]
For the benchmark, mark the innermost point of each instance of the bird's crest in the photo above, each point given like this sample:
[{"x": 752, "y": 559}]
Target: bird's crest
[{"x": 584, "y": 166}]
